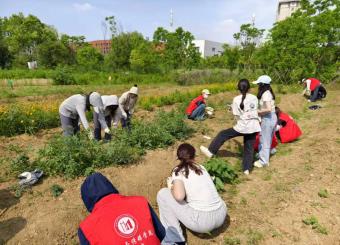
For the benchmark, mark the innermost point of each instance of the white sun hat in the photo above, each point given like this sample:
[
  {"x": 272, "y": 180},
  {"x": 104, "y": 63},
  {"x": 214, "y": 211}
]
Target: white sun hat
[
  {"x": 134, "y": 90},
  {"x": 263, "y": 79},
  {"x": 206, "y": 91}
]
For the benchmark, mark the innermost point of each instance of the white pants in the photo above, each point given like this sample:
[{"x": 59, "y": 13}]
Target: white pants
[{"x": 173, "y": 212}]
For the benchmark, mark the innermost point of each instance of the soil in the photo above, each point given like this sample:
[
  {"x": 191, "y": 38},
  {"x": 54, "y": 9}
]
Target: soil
[{"x": 265, "y": 208}]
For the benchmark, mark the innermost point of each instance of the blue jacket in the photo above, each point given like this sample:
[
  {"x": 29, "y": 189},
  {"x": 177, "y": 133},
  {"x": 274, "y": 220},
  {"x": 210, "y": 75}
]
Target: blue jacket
[{"x": 97, "y": 186}]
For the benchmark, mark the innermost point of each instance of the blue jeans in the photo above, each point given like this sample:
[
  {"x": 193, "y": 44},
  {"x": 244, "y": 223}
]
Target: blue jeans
[
  {"x": 198, "y": 113},
  {"x": 268, "y": 125},
  {"x": 315, "y": 94}
]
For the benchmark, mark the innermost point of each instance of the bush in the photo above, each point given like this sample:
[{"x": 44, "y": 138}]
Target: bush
[
  {"x": 222, "y": 172},
  {"x": 56, "y": 190},
  {"x": 20, "y": 164},
  {"x": 63, "y": 76}
]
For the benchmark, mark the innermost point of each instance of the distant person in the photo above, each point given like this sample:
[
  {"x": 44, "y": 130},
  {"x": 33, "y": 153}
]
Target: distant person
[
  {"x": 268, "y": 119},
  {"x": 191, "y": 199},
  {"x": 74, "y": 109},
  {"x": 196, "y": 109},
  {"x": 127, "y": 104},
  {"x": 116, "y": 219},
  {"x": 313, "y": 89},
  {"x": 244, "y": 108},
  {"x": 112, "y": 114}
]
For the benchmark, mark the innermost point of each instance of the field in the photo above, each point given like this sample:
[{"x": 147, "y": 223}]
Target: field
[{"x": 294, "y": 201}]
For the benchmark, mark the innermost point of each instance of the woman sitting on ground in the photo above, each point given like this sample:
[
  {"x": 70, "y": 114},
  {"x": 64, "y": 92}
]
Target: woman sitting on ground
[
  {"x": 191, "y": 199},
  {"x": 196, "y": 108},
  {"x": 248, "y": 124}
]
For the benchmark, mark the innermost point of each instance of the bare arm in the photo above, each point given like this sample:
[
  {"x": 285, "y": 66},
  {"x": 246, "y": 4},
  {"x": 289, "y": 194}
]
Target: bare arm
[{"x": 178, "y": 190}]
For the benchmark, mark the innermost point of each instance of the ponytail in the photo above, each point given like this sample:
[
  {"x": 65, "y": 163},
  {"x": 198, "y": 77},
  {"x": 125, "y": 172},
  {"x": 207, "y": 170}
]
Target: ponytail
[
  {"x": 88, "y": 105},
  {"x": 243, "y": 86},
  {"x": 186, "y": 155}
]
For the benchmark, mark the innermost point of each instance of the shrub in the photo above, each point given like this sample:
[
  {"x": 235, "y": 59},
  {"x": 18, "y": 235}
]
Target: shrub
[
  {"x": 20, "y": 164},
  {"x": 63, "y": 76},
  {"x": 56, "y": 190},
  {"x": 222, "y": 172},
  {"x": 323, "y": 193},
  {"x": 313, "y": 221}
]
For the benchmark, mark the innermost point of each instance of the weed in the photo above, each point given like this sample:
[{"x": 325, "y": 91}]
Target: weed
[
  {"x": 232, "y": 241},
  {"x": 56, "y": 190},
  {"x": 313, "y": 221},
  {"x": 308, "y": 167},
  {"x": 243, "y": 201},
  {"x": 221, "y": 171},
  {"x": 254, "y": 237},
  {"x": 281, "y": 187},
  {"x": 20, "y": 164},
  {"x": 323, "y": 193}
]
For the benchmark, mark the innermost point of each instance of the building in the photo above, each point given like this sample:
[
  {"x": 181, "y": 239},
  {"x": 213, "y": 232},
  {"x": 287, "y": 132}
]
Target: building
[
  {"x": 104, "y": 46},
  {"x": 286, "y": 8},
  {"x": 208, "y": 48}
]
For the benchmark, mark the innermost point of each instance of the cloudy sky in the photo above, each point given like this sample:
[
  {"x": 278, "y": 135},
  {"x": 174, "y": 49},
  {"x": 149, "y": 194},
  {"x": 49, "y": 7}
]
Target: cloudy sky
[{"x": 214, "y": 20}]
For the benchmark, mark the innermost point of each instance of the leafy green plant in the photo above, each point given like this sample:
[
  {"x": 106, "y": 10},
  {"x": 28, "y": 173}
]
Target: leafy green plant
[
  {"x": 313, "y": 221},
  {"x": 323, "y": 193},
  {"x": 222, "y": 172},
  {"x": 56, "y": 190},
  {"x": 20, "y": 164}
]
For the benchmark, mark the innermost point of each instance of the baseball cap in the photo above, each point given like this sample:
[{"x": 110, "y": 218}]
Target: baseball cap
[
  {"x": 263, "y": 79},
  {"x": 205, "y": 91}
]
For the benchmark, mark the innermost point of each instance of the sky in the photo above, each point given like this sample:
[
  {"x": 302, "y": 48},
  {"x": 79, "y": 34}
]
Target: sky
[{"x": 215, "y": 20}]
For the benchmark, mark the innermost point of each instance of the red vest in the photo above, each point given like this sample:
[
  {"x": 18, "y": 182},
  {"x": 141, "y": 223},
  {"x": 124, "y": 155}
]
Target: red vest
[
  {"x": 291, "y": 131},
  {"x": 314, "y": 83},
  {"x": 193, "y": 104},
  {"x": 257, "y": 142},
  {"x": 120, "y": 220}
]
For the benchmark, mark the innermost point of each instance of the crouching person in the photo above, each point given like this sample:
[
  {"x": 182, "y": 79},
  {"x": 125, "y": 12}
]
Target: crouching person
[
  {"x": 196, "y": 109},
  {"x": 313, "y": 89},
  {"x": 73, "y": 109},
  {"x": 191, "y": 199},
  {"x": 127, "y": 104},
  {"x": 116, "y": 219},
  {"x": 112, "y": 113}
]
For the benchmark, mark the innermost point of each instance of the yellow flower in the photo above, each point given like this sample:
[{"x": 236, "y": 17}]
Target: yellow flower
[{"x": 22, "y": 121}]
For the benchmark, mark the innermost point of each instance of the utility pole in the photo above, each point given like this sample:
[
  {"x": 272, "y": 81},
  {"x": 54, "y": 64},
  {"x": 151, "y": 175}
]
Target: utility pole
[
  {"x": 253, "y": 19},
  {"x": 171, "y": 20}
]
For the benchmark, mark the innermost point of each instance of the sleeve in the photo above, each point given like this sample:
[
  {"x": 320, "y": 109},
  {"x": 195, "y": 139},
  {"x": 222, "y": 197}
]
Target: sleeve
[
  {"x": 116, "y": 118},
  {"x": 235, "y": 109},
  {"x": 82, "y": 238},
  {"x": 132, "y": 110},
  {"x": 122, "y": 100},
  {"x": 82, "y": 116},
  {"x": 267, "y": 96},
  {"x": 159, "y": 228},
  {"x": 101, "y": 119}
]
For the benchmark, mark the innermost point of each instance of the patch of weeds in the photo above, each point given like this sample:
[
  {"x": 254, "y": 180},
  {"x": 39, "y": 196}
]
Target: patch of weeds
[
  {"x": 254, "y": 237},
  {"x": 281, "y": 187},
  {"x": 232, "y": 191},
  {"x": 317, "y": 205},
  {"x": 284, "y": 151},
  {"x": 222, "y": 172},
  {"x": 308, "y": 167},
  {"x": 323, "y": 193},
  {"x": 243, "y": 201},
  {"x": 20, "y": 190},
  {"x": 313, "y": 221},
  {"x": 276, "y": 234},
  {"x": 20, "y": 164},
  {"x": 232, "y": 241},
  {"x": 267, "y": 175},
  {"x": 56, "y": 190}
]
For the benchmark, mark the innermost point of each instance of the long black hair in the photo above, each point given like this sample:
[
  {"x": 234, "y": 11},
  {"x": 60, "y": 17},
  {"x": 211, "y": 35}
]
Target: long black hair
[
  {"x": 263, "y": 88},
  {"x": 186, "y": 155},
  {"x": 243, "y": 86}
]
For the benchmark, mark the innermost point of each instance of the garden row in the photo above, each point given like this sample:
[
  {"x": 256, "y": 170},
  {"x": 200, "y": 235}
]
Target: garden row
[{"x": 31, "y": 117}]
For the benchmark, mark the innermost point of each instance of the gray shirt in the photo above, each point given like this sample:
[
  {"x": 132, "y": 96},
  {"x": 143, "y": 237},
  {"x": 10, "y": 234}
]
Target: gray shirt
[
  {"x": 75, "y": 106},
  {"x": 126, "y": 103}
]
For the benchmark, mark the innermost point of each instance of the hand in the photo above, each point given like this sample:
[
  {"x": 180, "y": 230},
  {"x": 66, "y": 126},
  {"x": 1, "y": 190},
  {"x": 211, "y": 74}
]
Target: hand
[
  {"x": 124, "y": 115},
  {"x": 107, "y": 131},
  {"x": 169, "y": 182}
]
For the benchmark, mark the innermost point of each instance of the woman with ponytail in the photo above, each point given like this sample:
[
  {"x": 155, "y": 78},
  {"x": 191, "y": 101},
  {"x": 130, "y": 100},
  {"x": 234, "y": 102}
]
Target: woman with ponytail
[
  {"x": 244, "y": 109},
  {"x": 191, "y": 199}
]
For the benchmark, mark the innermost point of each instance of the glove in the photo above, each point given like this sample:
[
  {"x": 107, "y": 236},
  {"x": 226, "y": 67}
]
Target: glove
[
  {"x": 124, "y": 115},
  {"x": 90, "y": 135},
  {"x": 107, "y": 131},
  {"x": 169, "y": 182}
]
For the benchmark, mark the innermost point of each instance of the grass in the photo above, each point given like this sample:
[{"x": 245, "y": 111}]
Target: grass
[
  {"x": 56, "y": 190},
  {"x": 314, "y": 223},
  {"x": 323, "y": 193},
  {"x": 232, "y": 241},
  {"x": 254, "y": 237}
]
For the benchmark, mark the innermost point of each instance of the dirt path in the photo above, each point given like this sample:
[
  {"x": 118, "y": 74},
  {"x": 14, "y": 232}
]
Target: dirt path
[{"x": 265, "y": 208}]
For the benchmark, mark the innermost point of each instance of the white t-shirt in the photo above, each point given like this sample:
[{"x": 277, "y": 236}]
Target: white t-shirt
[
  {"x": 267, "y": 97},
  {"x": 201, "y": 193},
  {"x": 248, "y": 121}
]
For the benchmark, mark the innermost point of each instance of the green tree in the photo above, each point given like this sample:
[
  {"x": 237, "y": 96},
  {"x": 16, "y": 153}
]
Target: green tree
[
  {"x": 144, "y": 58},
  {"x": 52, "y": 53},
  {"x": 24, "y": 34},
  {"x": 89, "y": 58},
  {"x": 232, "y": 56}
]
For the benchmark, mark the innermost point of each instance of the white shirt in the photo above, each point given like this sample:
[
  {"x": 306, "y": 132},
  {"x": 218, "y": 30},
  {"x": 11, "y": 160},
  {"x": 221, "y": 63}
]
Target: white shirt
[
  {"x": 201, "y": 193},
  {"x": 248, "y": 121},
  {"x": 267, "y": 97}
]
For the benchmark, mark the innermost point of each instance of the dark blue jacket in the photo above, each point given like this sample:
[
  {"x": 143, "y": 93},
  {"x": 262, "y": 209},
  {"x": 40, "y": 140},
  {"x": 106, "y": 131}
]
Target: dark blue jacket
[{"x": 97, "y": 186}]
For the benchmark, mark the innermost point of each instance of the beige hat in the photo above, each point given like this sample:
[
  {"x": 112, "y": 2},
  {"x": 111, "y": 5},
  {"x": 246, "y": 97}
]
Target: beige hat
[
  {"x": 205, "y": 91},
  {"x": 134, "y": 90}
]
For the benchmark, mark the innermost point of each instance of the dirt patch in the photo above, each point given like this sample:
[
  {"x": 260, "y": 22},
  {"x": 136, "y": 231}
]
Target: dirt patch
[{"x": 265, "y": 208}]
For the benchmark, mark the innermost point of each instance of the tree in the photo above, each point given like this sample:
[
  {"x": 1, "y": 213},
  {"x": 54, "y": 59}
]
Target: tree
[
  {"x": 89, "y": 58},
  {"x": 122, "y": 45},
  {"x": 144, "y": 58},
  {"x": 52, "y": 53},
  {"x": 232, "y": 56},
  {"x": 24, "y": 34},
  {"x": 176, "y": 48},
  {"x": 306, "y": 44}
]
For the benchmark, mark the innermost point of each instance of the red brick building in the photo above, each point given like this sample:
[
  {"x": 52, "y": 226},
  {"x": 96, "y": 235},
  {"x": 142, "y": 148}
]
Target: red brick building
[{"x": 104, "y": 46}]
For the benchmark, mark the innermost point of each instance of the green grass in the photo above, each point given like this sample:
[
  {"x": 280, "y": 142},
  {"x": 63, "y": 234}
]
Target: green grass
[
  {"x": 232, "y": 241},
  {"x": 254, "y": 237},
  {"x": 314, "y": 223},
  {"x": 323, "y": 193}
]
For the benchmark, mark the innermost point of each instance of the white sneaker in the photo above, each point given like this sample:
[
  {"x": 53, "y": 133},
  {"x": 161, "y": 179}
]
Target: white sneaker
[
  {"x": 258, "y": 164},
  {"x": 206, "y": 151},
  {"x": 246, "y": 172}
]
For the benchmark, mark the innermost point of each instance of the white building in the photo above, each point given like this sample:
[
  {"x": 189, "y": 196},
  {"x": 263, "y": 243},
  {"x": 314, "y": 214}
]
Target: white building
[
  {"x": 286, "y": 8},
  {"x": 208, "y": 48}
]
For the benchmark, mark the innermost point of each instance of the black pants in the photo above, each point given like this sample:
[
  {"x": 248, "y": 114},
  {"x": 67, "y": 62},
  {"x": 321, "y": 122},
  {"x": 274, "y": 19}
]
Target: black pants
[
  {"x": 126, "y": 123},
  {"x": 249, "y": 141},
  {"x": 98, "y": 129}
]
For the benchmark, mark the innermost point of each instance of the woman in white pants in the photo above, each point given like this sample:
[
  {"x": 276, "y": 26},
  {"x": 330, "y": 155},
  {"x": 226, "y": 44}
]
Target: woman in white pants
[{"x": 191, "y": 199}]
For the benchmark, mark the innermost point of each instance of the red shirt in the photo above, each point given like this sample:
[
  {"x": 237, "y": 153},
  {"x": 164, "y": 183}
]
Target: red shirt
[{"x": 193, "y": 104}]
